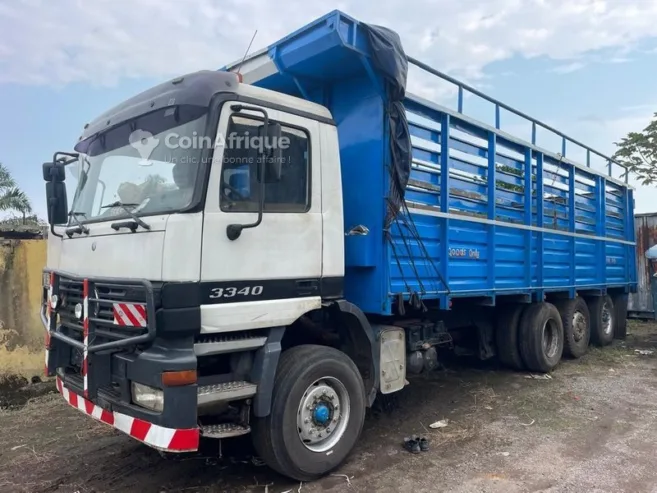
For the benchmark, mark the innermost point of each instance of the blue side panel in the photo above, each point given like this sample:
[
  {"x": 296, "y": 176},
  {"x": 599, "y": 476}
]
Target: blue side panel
[
  {"x": 358, "y": 112},
  {"x": 407, "y": 257},
  {"x": 585, "y": 265},
  {"x": 501, "y": 216},
  {"x": 488, "y": 214}
]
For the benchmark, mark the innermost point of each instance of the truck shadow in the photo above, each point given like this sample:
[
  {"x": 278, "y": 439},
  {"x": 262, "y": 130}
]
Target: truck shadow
[{"x": 236, "y": 467}]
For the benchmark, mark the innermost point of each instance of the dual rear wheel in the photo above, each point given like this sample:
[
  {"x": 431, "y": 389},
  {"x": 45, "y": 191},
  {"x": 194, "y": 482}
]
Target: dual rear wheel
[
  {"x": 534, "y": 337},
  {"x": 603, "y": 320},
  {"x": 530, "y": 336},
  {"x": 576, "y": 320}
]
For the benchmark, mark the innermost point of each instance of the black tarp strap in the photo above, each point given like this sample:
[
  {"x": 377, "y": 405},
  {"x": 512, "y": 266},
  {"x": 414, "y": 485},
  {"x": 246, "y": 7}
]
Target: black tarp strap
[{"x": 389, "y": 60}]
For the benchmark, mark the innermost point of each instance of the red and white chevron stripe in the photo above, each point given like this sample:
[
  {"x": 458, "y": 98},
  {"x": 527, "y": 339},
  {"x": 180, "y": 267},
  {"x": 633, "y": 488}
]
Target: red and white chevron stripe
[
  {"x": 167, "y": 439},
  {"x": 48, "y": 315},
  {"x": 131, "y": 314},
  {"x": 85, "y": 334}
]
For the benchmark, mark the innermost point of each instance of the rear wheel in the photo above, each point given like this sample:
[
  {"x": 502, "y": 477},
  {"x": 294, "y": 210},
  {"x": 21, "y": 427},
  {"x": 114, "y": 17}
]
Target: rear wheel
[
  {"x": 541, "y": 337},
  {"x": 603, "y": 317},
  {"x": 506, "y": 336},
  {"x": 317, "y": 413},
  {"x": 620, "y": 305},
  {"x": 576, "y": 321}
]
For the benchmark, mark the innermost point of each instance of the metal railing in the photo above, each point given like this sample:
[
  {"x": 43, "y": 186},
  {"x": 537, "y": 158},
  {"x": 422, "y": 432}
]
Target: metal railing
[{"x": 536, "y": 124}]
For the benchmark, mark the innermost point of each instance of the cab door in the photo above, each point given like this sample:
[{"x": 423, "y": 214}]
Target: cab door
[{"x": 270, "y": 275}]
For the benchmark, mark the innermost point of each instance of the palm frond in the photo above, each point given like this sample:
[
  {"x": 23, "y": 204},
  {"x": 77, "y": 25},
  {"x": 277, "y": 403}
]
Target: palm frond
[
  {"x": 6, "y": 180},
  {"x": 15, "y": 199}
]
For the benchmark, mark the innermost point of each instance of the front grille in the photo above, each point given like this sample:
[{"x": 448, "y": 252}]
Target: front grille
[
  {"x": 102, "y": 297},
  {"x": 70, "y": 294}
]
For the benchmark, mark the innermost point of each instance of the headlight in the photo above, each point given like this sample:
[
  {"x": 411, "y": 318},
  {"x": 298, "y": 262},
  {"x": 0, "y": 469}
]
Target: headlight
[
  {"x": 147, "y": 397},
  {"x": 78, "y": 311},
  {"x": 46, "y": 279}
]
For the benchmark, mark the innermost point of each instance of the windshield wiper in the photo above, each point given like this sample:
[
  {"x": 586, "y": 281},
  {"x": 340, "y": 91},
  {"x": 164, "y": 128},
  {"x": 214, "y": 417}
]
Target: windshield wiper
[
  {"x": 125, "y": 206},
  {"x": 79, "y": 228}
]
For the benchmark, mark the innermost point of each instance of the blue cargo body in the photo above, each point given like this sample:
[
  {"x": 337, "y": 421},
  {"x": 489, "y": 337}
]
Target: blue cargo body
[{"x": 495, "y": 215}]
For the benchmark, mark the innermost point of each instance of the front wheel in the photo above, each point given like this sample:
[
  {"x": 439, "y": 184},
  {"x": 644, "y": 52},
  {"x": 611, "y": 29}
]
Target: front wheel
[{"x": 317, "y": 413}]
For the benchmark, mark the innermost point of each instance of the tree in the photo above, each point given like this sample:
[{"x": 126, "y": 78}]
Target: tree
[
  {"x": 638, "y": 153},
  {"x": 12, "y": 198}
]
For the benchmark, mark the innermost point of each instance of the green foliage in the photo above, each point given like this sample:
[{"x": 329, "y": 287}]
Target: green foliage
[
  {"x": 15, "y": 221},
  {"x": 12, "y": 198},
  {"x": 638, "y": 153},
  {"x": 6, "y": 180},
  {"x": 504, "y": 185}
]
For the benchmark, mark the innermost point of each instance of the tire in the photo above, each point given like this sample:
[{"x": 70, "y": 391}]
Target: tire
[
  {"x": 301, "y": 371},
  {"x": 541, "y": 337},
  {"x": 506, "y": 336},
  {"x": 603, "y": 316},
  {"x": 576, "y": 321},
  {"x": 620, "y": 305}
]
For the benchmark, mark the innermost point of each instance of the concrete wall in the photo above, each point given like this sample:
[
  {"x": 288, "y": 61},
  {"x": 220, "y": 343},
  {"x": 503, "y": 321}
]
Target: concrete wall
[{"x": 21, "y": 332}]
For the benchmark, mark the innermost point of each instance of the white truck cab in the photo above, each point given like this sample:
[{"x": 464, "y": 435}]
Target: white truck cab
[{"x": 185, "y": 235}]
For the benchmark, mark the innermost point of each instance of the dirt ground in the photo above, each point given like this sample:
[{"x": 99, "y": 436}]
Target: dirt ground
[{"x": 591, "y": 427}]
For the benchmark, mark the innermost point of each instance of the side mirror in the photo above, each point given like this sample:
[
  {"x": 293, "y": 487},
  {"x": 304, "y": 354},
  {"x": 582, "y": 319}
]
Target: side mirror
[
  {"x": 273, "y": 155},
  {"x": 57, "y": 202},
  {"x": 53, "y": 172}
]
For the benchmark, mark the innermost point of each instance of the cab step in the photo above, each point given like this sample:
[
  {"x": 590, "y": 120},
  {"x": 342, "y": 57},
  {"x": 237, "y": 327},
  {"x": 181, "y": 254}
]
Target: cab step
[
  {"x": 224, "y": 392},
  {"x": 224, "y": 430}
]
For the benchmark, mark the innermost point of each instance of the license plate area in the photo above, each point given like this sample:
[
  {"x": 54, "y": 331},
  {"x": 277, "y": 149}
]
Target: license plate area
[{"x": 76, "y": 358}]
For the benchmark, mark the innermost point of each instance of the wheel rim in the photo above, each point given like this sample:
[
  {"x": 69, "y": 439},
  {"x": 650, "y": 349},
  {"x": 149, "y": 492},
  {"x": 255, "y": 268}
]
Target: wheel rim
[
  {"x": 579, "y": 326},
  {"x": 323, "y": 414},
  {"x": 550, "y": 338},
  {"x": 607, "y": 319}
]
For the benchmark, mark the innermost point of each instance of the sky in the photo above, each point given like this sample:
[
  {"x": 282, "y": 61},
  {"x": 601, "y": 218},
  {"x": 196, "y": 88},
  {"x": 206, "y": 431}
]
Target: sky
[{"x": 586, "y": 67}]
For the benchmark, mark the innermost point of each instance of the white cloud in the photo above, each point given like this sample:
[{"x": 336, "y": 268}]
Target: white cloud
[
  {"x": 104, "y": 41},
  {"x": 47, "y": 42},
  {"x": 619, "y": 59},
  {"x": 602, "y": 132},
  {"x": 568, "y": 68},
  {"x": 640, "y": 108}
]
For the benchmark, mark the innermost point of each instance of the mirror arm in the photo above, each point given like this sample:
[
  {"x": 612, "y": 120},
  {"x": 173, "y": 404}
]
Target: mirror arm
[
  {"x": 68, "y": 157},
  {"x": 54, "y": 233},
  {"x": 52, "y": 225},
  {"x": 234, "y": 231}
]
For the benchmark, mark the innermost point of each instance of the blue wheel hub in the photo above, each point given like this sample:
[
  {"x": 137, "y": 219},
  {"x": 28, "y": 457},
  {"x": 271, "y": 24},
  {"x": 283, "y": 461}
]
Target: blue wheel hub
[{"x": 321, "y": 414}]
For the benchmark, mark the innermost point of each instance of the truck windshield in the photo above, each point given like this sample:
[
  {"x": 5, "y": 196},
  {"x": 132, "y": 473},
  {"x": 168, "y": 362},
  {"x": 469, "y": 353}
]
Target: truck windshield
[{"x": 148, "y": 164}]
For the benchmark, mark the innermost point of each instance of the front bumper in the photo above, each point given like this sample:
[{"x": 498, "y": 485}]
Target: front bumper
[
  {"x": 95, "y": 366},
  {"x": 158, "y": 437}
]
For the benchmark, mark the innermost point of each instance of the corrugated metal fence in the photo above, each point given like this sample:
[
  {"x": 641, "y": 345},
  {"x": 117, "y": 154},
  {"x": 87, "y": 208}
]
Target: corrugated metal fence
[{"x": 641, "y": 303}]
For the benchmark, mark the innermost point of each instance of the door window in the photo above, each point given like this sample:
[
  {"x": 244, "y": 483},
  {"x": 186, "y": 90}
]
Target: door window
[{"x": 239, "y": 178}]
